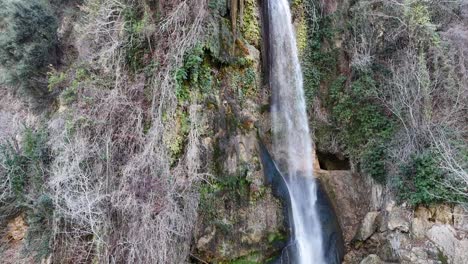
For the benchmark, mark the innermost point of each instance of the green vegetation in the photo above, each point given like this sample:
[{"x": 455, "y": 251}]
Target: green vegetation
[
  {"x": 358, "y": 117},
  {"x": 55, "y": 79},
  {"x": 223, "y": 189},
  {"x": 27, "y": 45},
  {"x": 39, "y": 234},
  {"x": 251, "y": 259},
  {"x": 250, "y": 27},
  {"x": 319, "y": 63},
  {"x": 442, "y": 257},
  {"x": 177, "y": 144},
  {"x": 137, "y": 49},
  {"x": 26, "y": 168},
  {"x": 194, "y": 75},
  {"x": 422, "y": 181},
  {"x": 389, "y": 90},
  {"x": 373, "y": 160}
]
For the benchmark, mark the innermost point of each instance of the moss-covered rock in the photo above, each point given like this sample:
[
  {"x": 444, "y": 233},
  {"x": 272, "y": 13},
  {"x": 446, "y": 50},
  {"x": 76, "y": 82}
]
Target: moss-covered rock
[{"x": 250, "y": 27}]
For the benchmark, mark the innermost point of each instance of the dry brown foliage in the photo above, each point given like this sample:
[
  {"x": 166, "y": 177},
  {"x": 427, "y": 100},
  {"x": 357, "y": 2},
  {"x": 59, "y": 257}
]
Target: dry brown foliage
[{"x": 119, "y": 197}]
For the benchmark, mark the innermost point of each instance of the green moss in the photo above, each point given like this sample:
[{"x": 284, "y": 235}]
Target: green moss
[
  {"x": 252, "y": 258},
  {"x": 251, "y": 25},
  {"x": 177, "y": 141},
  {"x": 301, "y": 36},
  {"x": 223, "y": 188},
  {"x": 276, "y": 237}
]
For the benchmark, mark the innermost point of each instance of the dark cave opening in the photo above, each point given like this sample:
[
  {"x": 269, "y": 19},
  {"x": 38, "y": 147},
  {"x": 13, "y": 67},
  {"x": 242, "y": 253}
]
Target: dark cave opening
[{"x": 330, "y": 161}]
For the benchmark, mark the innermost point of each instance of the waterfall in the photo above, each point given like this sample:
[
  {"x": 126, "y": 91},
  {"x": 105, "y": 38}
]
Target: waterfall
[{"x": 292, "y": 145}]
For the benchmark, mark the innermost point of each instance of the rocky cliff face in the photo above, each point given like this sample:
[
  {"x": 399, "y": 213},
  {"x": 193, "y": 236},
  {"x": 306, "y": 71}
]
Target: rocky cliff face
[{"x": 165, "y": 100}]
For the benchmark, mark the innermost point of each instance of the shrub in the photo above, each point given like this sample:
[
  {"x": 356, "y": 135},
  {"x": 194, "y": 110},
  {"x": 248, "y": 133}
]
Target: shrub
[
  {"x": 319, "y": 63},
  {"x": 25, "y": 167},
  {"x": 194, "y": 74},
  {"x": 357, "y": 116},
  {"x": 373, "y": 161},
  {"x": 25, "y": 170},
  {"x": 27, "y": 45},
  {"x": 15, "y": 169},
  {"x": 137, "y": 47},
  {"x": 422, "y": 181},
  {"x": 39, "y": 233}
]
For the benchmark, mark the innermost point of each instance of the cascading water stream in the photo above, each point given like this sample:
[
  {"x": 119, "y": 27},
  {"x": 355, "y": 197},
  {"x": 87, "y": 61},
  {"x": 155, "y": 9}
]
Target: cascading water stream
[{"x": 292, "y": 144}]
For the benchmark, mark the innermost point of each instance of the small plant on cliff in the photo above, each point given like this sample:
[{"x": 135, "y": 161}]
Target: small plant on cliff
[
  {"x": 27, "y": 45},
  {"x": 25, "y": 166},
  {"x": 194, "y": 74}
]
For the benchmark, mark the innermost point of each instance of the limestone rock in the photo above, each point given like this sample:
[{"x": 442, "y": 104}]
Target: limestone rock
[
  {"x": 423, "y": 213},
  {"x": 368, "y": 226},
  {"x": 16, "y": 229},
  {"x": 239, "y": 229},
  {"x": 419, "y": 227},
  {"x": 442, "y": 214},
  {"x": 444, "y": 236},
  {"x": 398, "y": 220},
  {"x": 461, "y": 252},
  {"x": 372, "y": 259},
  {"x": 415, "y": 255},
  {"x": 460, "y": 218},
  {"x": 353, "y": 204}
]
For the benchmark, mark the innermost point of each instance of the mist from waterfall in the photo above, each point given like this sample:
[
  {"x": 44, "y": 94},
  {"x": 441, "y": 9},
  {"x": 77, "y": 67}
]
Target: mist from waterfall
[{"x": 292, "y": 145}]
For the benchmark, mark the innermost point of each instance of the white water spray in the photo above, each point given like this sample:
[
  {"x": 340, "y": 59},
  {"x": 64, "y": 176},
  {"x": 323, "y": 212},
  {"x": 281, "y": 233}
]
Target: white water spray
[{"x": 292, "y": 145}]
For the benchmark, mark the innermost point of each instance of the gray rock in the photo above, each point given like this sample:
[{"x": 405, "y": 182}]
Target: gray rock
[
  {"x": 461, "y": 252},
  {"x": 443, "y": 236},
  {"x": 372, "y": 259},
  {"x": 419, "y": 227},
  {"x": 368, "y": 226},
  {"x": 398, "y": 220},
  {"x": 460, "y": 218}
]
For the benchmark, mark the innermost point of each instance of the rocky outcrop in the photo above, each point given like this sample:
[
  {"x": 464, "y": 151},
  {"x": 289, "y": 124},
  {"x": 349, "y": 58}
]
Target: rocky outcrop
[
  {"x": 352, "y": 204},
  {"x": 239, "y": 218},
  {"x": 372, "y": 259},
  {"x": 12, "y": 242},
  {"x": 368, "y": 227}
]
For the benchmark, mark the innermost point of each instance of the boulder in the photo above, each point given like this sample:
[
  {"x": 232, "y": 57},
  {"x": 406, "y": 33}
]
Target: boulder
[
  {"x": 419, "y": 227},
  {"x": 443, "y": 214},
  {"x": 460, "y": 218},
  {"x": 352, "y": 204},
  {"x": 398, "y": 220},
  {"x": 444, "y": 236},
  {"x": 461, "y": 252},
  {"x": 372, "y": 259},
  {"x": 368, "y": 226},
  {"x": 415, "y": 255}
]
